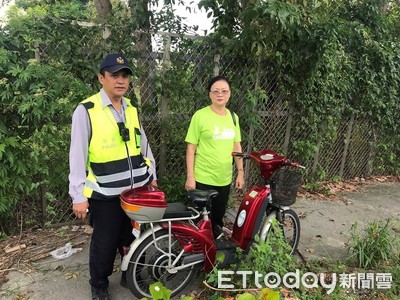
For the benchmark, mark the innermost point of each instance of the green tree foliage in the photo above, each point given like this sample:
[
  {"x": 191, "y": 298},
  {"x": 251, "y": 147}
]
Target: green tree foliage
[
  {"x": 332, "y": 60},
  {"x": 36, "y": 101},
  {"x": 46, "y": 69}
]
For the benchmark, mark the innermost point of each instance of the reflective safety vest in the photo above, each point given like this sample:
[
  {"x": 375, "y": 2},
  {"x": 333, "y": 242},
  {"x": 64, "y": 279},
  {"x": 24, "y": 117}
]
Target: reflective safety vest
[{"x": 113, "y": 165}]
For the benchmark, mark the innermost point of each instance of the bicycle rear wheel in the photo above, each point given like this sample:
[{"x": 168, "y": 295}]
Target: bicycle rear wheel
[{"x": 149, "y": 265}]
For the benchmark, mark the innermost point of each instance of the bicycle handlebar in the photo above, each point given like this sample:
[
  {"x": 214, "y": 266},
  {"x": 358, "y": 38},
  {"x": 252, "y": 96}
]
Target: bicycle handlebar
[
  {"x": 241, "y": 154},
  {"x": 288, "y": 162},
  {"x": 265, "y": 158}
]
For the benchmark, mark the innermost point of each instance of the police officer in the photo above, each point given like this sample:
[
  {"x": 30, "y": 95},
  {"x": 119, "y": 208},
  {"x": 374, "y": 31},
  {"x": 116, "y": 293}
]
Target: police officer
[{"x": 109, "y": 153}]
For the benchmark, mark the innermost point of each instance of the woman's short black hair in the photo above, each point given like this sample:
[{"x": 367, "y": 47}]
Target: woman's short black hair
[{"x": 215, "y": 79}]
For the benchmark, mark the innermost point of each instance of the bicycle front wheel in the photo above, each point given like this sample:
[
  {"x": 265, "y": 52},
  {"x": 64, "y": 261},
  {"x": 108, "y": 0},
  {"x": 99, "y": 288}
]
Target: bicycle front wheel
[
  {"x": 291, "y": 228},
  {"x": 149, "y": 264}
]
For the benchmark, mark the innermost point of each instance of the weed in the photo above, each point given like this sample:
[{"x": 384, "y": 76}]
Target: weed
[
  {"x": 373, "y": 247},
  {"x": 394, "y": 269},
  {"x": 159, "y": 292},
  {"x": 271, "y": 255},
  {"x": 313, "y": 187},
  {"x": 267, "y": 256},
  {"x": 316, "y": 187}
]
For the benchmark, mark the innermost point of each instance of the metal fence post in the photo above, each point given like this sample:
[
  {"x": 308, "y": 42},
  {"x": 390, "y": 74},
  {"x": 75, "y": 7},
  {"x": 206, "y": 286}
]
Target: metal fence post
[
  {"x": 37, "y": 52},
  {"x": 288, "y": 129},
  {"x": 346, "y": 145},
  {"x": 372, "y": 152},
  {"x": 217, "y": 58},
  {"x": 251, "y": 130},
  {"x": 164, "y": 107},
  {"x": 106, "y": 32},
  {"x": 316, "y": 157}
]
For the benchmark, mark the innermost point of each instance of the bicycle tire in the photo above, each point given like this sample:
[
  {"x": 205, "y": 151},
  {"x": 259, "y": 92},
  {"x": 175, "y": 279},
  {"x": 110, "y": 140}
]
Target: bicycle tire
[
  {"x": 291, "y": 229},
  {"x": 290, "y": 226},
  {"x": 147, "y": 266}
]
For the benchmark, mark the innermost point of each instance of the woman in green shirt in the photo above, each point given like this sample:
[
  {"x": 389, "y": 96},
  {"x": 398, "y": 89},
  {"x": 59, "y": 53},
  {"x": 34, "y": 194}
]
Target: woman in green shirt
[{"x": 212, "y": 136}]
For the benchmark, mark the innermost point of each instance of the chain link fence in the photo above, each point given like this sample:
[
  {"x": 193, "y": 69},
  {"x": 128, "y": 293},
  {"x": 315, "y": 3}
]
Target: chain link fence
[{"x": 169, "y": 84}]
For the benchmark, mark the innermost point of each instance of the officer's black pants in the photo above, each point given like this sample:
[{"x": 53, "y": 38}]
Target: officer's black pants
[{"x": 112, "y": 230}]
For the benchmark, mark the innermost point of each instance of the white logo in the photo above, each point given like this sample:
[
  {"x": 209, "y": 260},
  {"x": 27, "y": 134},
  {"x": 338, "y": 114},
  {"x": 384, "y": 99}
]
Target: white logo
[
  {"x": 225, "y": 134},
  {"x": 241, "y": 218}
]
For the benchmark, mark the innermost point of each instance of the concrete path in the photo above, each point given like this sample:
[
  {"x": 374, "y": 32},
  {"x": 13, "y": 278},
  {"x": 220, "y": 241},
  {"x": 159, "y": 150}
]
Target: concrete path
[
  {"x": 325, "y": 225},
  {"x": 325, "y": 229}
]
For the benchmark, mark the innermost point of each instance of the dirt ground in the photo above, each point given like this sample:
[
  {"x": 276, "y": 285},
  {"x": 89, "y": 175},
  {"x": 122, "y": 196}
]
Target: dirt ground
[{"x": 28, "y": 271}]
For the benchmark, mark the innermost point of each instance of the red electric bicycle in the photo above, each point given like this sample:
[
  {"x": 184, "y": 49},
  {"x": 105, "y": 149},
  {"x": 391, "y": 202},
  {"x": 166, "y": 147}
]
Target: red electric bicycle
[{"x": 173, "y": 241}]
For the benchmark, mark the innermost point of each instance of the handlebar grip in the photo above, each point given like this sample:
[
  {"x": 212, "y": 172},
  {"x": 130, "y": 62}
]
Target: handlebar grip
[
  {"x": 240, "y": 154},
  {"x": 288, "y": 162}
]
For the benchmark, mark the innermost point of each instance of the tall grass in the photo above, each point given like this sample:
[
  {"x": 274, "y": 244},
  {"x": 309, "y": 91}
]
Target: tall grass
[{"x": 376, "y": 245}]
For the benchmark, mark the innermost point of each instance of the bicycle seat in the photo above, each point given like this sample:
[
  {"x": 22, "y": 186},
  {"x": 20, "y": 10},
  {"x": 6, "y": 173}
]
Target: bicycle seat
[
  {"x": 200, "y": 198},
  {"x": 177, "y": 210}
]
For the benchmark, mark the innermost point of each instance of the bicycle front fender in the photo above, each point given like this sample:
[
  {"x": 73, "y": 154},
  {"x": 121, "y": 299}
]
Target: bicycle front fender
[
  {"x": 126, "y": 259},
  {"x": 266, "y": 226}
]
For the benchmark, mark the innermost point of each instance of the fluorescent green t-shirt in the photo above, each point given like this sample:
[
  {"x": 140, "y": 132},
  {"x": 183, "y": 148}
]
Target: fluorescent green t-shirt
[{"x": 214, "y": 136}]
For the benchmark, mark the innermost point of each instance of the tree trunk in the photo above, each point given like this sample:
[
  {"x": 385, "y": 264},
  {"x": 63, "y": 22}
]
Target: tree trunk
[
  {"x": 145, "y": 61},
  {"x": 103, "y": 8}
]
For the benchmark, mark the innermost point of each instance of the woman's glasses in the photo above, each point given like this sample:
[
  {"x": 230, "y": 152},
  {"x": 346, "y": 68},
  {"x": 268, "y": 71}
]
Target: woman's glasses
[{"x": 217, "y": 92}]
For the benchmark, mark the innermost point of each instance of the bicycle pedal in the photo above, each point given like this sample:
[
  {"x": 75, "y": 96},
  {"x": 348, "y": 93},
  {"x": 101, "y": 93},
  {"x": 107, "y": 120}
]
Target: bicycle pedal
[
  {"x": 227, "y": 231},
  {"x": 220, "y": 236}
]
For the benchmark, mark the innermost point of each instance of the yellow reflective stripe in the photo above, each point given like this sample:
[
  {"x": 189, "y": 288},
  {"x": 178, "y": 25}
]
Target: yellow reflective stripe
[
  {"x": 122, "y": 175},
  {"x": 112, "y": 191},
  {"x": 87, "y": 192}
]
